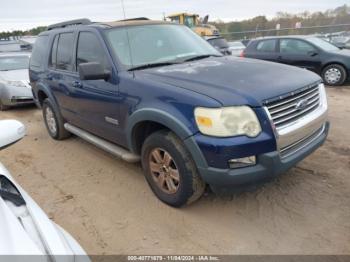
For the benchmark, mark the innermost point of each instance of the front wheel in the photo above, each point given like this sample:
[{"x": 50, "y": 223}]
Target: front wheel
[
  {"x": 170, "y": 170},
  {"x": 334, "y": 75}
]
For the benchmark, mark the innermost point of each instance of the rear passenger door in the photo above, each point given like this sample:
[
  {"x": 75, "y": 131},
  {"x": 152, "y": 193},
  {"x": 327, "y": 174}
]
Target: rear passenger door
[
  {"x": 297, "y": 52},
  {"x": 61, "y": 73},
  {"x": 264, "y": 50}
]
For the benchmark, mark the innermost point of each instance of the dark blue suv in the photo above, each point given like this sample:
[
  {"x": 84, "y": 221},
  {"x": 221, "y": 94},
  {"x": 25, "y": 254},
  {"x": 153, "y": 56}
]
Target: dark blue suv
[{"x": 155, "y": 92}]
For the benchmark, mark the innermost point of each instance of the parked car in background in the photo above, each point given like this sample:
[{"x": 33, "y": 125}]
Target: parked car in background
[
  {"x": 14, "y": 80},
  {"x": 312, "y": 53},
  {"x": 342, "y": 42},
  {"x": 25, "y": 228},
  {"x": 190, "y": 115},
  {"x": 236, "y": 48},
  {"x": 245, "y": 42},
  {"x": 220, "y": 44},
  {"x": 9, "y": 46}
]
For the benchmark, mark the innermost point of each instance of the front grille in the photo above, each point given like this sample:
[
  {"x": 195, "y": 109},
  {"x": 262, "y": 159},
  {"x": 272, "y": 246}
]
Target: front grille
[
  {"x": 286, "y": 110},
  {"x": 296, "y": 146}
]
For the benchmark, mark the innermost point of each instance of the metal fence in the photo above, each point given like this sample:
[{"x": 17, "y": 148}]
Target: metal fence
[{"x": 326, "y": 30}]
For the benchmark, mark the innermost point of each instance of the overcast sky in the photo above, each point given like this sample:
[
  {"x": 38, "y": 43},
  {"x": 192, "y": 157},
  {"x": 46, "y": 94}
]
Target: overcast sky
[{"x": 25, "y": 14}]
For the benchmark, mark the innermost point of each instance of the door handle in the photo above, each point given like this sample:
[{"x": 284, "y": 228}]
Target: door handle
[{"x": 77, "y": 84}]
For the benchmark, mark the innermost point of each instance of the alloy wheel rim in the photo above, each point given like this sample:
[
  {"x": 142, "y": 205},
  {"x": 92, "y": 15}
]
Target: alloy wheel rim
[
  {"x": 333, "y": 75},
  {"x": 51, "y": 121},
  {"x": 164, "y": 171}
]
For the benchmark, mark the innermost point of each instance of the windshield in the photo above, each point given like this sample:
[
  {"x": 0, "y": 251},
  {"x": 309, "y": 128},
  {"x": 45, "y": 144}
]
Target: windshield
[
  {"x": 323, "y": 44},
  {"x": 14, "y": 63},
  {"x": 150, "y": 44}
]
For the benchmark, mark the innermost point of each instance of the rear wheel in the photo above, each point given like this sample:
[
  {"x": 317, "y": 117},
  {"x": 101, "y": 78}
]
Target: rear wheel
[
  {"x": 53, "y": 121},
  {"x": 334, "y": 75},
  {"x": 170, "y": 170}
]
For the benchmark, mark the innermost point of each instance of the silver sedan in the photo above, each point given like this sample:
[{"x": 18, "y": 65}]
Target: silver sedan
[{"x": 14, "y": 80}]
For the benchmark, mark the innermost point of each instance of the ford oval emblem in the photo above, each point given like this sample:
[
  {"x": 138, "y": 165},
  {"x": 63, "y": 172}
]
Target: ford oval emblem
[{"x": 302, "y": 104}]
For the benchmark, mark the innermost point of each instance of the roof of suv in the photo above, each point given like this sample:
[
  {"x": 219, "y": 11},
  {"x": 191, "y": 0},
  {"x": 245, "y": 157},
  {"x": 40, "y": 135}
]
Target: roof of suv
[
  {"x": 133, "y": 22},
  {"x": 120, "y": 23}
]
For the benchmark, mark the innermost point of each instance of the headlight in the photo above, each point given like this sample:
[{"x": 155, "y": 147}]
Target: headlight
[
  {"x": 16, "y": 83},
  {"x": 227, "y": 121}
]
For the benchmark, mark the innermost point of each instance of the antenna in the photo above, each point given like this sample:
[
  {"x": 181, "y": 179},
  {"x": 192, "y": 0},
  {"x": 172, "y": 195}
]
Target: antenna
[{"x": 127, "y": 35}]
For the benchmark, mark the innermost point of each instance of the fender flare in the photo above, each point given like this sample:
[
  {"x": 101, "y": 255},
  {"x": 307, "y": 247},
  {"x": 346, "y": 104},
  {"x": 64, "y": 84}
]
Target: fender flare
[
  {"x": 174, "y": 124},
  {"x": 157, "y": 116},
  {"x": 46, "y": 90}
]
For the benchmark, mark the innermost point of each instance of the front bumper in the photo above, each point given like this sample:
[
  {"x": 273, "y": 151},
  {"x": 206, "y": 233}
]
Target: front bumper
[
  {"x": 13, "y": 96},
  {"x": 269, "y": 166}
]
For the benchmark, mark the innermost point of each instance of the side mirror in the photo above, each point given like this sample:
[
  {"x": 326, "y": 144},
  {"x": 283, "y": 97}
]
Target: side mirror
[
  {"x": 93, "y": 71},
  {"x": 11, "y": 131}
]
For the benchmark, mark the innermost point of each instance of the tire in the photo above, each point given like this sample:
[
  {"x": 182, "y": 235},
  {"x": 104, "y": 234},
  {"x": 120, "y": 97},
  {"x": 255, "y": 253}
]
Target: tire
[
  {"x": 53, "y": 121},
  {"x": 3, "y": 107},
  {"x": 189, "y": 186},
  {"x": 334, "y": 75}
]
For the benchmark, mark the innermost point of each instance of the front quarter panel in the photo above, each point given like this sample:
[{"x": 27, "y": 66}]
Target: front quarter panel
[{"x": 173, "y": 107}]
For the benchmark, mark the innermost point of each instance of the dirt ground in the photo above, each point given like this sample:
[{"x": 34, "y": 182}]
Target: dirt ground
[{"x": 108, "y": 207}]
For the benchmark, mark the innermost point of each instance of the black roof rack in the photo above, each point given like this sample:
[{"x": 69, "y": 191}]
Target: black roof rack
[
  {"x": 134, "y": 19},
  {"x": 83, "y": 21}
]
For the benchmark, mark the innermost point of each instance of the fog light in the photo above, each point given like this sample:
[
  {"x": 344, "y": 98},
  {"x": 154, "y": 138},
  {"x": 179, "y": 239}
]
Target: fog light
[{"x": 242, "y": 162}]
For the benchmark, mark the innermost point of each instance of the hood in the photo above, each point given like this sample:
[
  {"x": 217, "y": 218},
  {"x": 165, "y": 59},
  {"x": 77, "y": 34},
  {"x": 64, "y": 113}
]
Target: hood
[
  {"x": 15, "y": 75},
  {"x": 342, "y": 52},
  {"x": 26, "y": 229},
  {"x": 234, "y": 81},
  {"x": 13, "y": 238}
]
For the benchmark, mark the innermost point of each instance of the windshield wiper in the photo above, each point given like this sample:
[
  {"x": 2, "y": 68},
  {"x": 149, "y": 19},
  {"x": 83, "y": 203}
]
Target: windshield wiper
[
  {"x": 199, "y": 57},
  {"x": 140, "y": 67}
]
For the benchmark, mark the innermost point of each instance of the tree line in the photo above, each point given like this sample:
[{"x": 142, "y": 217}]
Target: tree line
[
  {"x": 326, "y": 21},
  {"x": 236, "y": 29},
  {"x": 19, "y": 33}
]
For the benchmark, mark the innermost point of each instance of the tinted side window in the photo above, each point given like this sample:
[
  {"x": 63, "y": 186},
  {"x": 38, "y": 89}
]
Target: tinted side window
[
  {"x": 38, "y": 53},
  {"x": 294, "y": 46},
  {"x": 90, "y": 50},
  {"x": 53, "y": 56},
  {"x": 267, "y": 46},
  {"x": 65, "y": 51}
]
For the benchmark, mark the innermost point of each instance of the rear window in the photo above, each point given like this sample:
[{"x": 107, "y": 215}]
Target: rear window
[
  {"x": 38, "y": 53},
  {"x": 266, "y": 46},
  {"x": 53, "y": 56},
  {"x": 218, "y": 42},
  {"x": 65, "y": 52}
]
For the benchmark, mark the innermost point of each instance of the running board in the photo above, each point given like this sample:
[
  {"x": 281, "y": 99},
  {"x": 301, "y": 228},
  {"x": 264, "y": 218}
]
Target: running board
[{"x": 103, "y": 144}]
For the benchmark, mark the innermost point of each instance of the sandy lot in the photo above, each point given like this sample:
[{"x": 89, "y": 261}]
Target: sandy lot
[{"x": 107, "y": 205}]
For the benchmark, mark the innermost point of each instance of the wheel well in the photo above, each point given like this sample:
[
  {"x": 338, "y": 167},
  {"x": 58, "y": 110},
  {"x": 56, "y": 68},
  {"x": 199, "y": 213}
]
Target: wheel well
[
  {"x": 335, "y": 63},
  {"x": 41, "y": 97},
  {"x": 142, "y": 130}
]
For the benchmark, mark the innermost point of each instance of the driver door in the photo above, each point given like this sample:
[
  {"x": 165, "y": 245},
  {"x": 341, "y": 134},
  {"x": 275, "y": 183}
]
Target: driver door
[
  {"x": 97, "y": 101},
  {"x": 297, "y": 52}
]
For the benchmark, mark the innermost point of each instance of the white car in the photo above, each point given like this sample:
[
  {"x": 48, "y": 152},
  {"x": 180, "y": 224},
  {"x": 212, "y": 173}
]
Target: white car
[
  {"x": 24, "y": 228},
  {"x": 14, "y": 80},
  {"x": 236, "y": 48}
]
